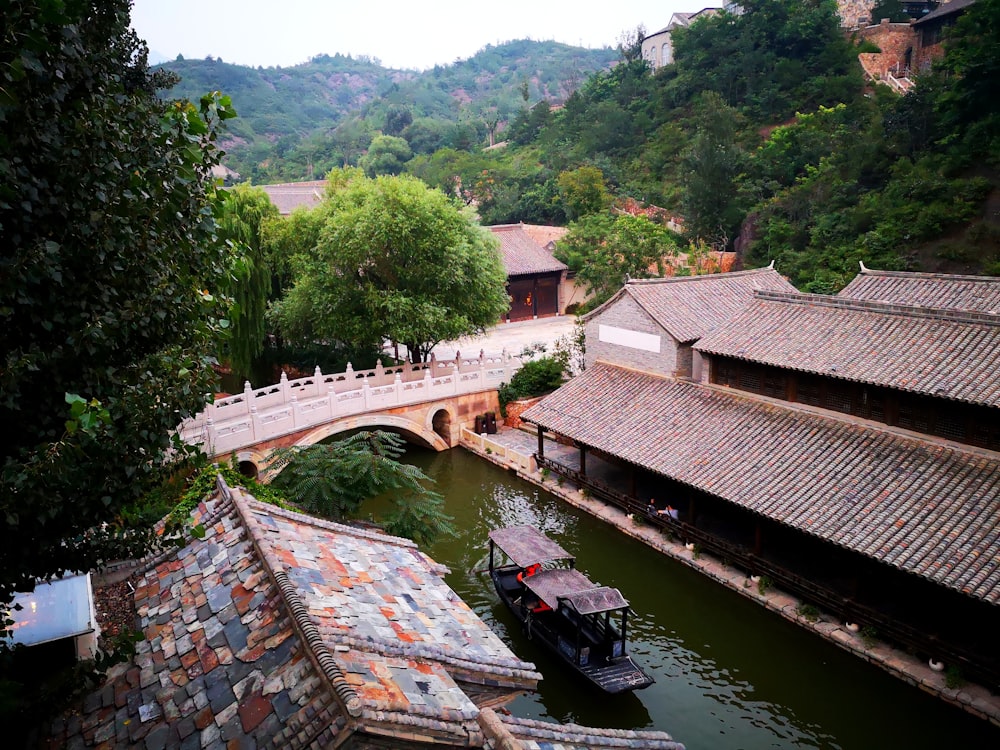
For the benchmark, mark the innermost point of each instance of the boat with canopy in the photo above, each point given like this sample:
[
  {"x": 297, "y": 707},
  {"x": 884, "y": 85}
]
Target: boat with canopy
[{"x": 582, "y": 623}]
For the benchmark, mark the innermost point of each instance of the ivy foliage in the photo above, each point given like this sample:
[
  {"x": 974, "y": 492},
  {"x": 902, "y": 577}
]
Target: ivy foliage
[
  {"x": 109, "y": 308},
  {"x": 333, "y": 480}
]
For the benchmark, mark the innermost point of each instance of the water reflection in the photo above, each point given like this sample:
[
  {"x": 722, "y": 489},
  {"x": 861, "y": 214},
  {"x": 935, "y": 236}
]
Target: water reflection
[{"x": 728, "y": 673}]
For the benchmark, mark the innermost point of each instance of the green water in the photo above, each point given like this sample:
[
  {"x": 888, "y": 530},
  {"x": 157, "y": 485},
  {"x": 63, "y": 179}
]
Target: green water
[{"x": 728, "y": 673}]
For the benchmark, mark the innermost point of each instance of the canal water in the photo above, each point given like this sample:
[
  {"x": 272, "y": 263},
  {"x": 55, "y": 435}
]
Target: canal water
[{"x": 729, "y": 674}]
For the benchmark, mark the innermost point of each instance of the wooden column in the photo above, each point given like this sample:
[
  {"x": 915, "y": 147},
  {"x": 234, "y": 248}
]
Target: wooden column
[
  {"x": 541, "y": 441},
  {"x": 583, "y": 459},
  {"x": 757, "y": 538},
  {"x": 632, "y": 484}
]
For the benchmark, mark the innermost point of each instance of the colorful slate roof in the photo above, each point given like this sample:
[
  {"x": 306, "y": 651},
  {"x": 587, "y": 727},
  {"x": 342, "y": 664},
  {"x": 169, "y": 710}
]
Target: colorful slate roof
[
  {"x": 976, "y": 293},
  {"x": 924, "y": 506},
  {"x": 522, "y": 255},
  {"x": 944, "y": 353},
  {"x": 221, "y": 659},
  {"x": 688, "y": 307},
  {"x": 281, "y": 630}
]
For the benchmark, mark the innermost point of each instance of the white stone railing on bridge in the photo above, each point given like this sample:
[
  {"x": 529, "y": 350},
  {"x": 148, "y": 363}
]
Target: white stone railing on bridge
[{"x": 260, "y": 414}]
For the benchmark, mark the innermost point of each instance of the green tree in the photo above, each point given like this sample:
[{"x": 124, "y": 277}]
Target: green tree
[
  {"x": 395, "y": 260},
  {"x": 245, "y": 213},
  {"x": 333, "y": 480},
  {"x": 971, "y": 103},
  {"x": 712, "y": 163},
  {"x": 605, "y": 251},
  {"x": 107, "y": 307},
  {"x": 583, "y": 191},
  {"x": 386, "y": 154}
]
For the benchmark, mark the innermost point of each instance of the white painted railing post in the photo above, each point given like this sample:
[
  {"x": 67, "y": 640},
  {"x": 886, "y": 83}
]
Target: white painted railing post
[
  {"x": 209, "y": 437},
  {"x": 283, "y": 385},
  {"x": 398, "y": 383},
  {"x": 366, "y": 392},
  {"x": 294, "y": 401},
  {"x": 248, "y": 397},
  {"x": 255, "y": 426}
]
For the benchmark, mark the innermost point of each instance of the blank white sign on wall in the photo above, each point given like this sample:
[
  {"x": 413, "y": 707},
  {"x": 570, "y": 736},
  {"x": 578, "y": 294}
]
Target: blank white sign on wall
[{"x": 647, "y": 342}]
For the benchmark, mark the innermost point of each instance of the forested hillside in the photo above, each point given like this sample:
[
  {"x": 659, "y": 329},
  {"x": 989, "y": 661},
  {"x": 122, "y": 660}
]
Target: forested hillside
[
  {"x": 296, "y": 123},
  {"x": 762, "y": 137}
]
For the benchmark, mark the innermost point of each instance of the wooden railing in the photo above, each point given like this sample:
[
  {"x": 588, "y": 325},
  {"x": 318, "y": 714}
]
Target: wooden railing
[{"x": 971, "y": 664}]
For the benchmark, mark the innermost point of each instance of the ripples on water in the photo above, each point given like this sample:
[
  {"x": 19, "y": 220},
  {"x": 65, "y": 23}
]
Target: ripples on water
[{"x": 729, "y": 675}]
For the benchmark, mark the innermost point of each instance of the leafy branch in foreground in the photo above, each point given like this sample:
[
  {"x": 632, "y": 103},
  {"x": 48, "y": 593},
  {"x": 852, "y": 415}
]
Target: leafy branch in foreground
[{"x": 332, "y": 480}]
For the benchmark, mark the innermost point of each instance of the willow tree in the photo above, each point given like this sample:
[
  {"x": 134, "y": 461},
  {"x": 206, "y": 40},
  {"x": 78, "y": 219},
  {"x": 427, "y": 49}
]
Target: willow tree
[
  {"x": 398, "y": 261},
  {"x": 246, "y": 211}
]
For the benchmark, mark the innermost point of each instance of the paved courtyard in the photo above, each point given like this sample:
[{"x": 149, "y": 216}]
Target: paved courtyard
[{"x": 514, "y": 337}]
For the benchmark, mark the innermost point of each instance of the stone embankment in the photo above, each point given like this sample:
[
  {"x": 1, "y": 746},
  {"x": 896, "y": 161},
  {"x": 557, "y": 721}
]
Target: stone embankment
[{"x": 513, "y": 449}]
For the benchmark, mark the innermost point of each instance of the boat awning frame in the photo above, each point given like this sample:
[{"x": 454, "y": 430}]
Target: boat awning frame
[
  {"x": 559, "y": 583},
  {"x": 599, "y": 599},
  {"x": 526, "y": 545}
]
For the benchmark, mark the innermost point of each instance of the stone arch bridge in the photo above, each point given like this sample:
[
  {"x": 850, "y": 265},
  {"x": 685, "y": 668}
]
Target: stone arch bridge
[{"x": 429, "y": 403}]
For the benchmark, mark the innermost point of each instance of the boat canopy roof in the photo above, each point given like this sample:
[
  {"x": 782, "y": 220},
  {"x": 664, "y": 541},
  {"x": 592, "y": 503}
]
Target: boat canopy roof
[
  {"x": 600, "y": 599},
  {"x": 526, "y": 545},
  {"x": 574, "y": 587}
]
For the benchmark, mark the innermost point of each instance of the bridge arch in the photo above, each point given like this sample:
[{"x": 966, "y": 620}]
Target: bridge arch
[{"x": 425, "y": 434}]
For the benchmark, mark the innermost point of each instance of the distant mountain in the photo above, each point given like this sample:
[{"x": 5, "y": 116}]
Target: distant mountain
[{"x": 331, "y": 106}]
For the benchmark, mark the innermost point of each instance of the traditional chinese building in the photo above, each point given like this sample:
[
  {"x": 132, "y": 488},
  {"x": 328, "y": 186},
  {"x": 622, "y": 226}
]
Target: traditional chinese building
[{"x": 846, "y": 447}]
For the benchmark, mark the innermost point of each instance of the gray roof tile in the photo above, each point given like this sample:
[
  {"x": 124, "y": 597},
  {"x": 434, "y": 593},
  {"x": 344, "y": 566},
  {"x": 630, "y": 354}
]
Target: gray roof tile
[
  {"x": 923, "y": 506},
  {"x": 688, "y": 307},
  {"x": 974, "y": 293},
  {"x": 521, "y": 254},
  {"x": 944, "y": 353}
]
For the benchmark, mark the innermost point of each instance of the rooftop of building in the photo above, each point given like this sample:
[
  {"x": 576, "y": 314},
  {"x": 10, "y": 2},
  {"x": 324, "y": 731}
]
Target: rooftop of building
[
  {"x": 522, "y": 254},
  {"x": 939, "y": 290},
  {"x": 953, "y": 354},
  {"x": 289, "y": 196},
  {"x": 925, "y": 506},
  {"x": 688, "y": 307}
]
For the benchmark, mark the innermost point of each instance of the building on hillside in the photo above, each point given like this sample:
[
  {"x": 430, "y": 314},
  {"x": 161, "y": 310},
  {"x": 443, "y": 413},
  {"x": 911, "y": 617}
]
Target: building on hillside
[
  {"x": 651, "y": 324},
  {"x": 291, "y": 195},
  {"x": 904, "y": 46},
  {"x": 537, "y": 282},
  {"x": 658, "y": 48},
  {"x": 281, "y": 630},
  {"x": 848, "y": 449}
]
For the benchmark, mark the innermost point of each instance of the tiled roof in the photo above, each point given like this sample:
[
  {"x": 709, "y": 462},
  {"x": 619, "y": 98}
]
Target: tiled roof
[
  {"x": 688, "y": 307},
  {"x": 543, "y": 234},
  {"x": 925, "y": 507},
  {"x": 946, "y": 9},
  {"x": 291, "y": 195},
  {"x": 221, "y": 658},
  {"x": 944, "y": 353},
  {"x": 521, "y": 254},
  {"x": 281, "y": 630},
  {"x": 978, "y": 293},
  {"x": 531, "y": 734}
]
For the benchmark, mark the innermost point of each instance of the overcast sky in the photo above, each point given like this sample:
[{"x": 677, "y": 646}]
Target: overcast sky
[{"x": 407, "y": 34}]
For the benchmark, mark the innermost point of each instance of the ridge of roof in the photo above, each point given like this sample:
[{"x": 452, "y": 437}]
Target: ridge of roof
[
  {"x": 306, "y": 629},
  {"x": 865, "y": 271},
  {"x": 633, "y": 283},
  {"x": 885, "y": 308},
  {"x": 700, "y": 277}
]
